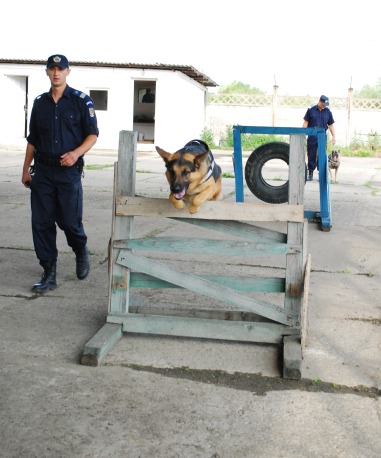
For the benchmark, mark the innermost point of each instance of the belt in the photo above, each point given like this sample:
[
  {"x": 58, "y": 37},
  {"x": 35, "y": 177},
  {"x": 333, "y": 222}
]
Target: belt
[
  {"x": 45, "y": 160},
  {"x": 55, "y": 162}
]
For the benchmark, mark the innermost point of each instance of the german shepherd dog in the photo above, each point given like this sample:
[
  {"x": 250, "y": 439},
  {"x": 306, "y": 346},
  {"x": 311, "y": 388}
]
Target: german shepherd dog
[
  {"x": 334, "y": 164},
  {"x": 192, "y": 175}
]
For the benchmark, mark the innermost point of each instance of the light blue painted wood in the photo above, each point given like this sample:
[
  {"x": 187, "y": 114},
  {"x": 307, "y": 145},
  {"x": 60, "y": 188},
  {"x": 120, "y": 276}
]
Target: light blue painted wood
[
  {"x": 97, "y": 348},
  {"x": 274, "y": 285},
  {"x": 124, "y": 185},
  {"x": 205, "y": 287},
  {"x": 295, "y": 231},
  {"x": 243, "y": 331},
  {"x": 207, "y": 246},
  {"x": 239, "y": 229},
  {"x": 242, "y": 322}
]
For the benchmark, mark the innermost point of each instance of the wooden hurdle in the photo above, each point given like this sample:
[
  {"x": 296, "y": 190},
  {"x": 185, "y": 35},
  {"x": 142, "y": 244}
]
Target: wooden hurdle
[{"x": 248, "y": 319}]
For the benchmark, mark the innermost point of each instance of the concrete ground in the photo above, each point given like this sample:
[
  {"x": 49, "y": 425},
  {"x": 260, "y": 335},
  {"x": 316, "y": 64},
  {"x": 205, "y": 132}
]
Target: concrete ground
[{"x": 175, "y": 397}]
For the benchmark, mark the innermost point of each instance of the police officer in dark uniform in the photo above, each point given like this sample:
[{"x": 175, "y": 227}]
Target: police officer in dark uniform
[
  {"x": 63, "y": 127},
  {"x": 317, "y": 116}
]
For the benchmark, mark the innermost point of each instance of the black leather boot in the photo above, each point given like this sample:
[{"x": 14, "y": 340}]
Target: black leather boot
[
  {"x": 48, "y": 279},
  {"x": 83, "y": 262}
]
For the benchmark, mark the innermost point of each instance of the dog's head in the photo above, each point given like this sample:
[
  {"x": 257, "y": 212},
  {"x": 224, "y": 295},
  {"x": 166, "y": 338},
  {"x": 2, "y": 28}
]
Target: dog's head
[
  {"x": 335, "y": 156},
  {"x": 183, "y": 168}
]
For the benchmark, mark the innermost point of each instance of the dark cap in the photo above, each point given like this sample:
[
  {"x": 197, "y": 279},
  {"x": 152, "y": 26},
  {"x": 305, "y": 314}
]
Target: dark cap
[
  {"x": 324, "y": 99},
  {"x": 59, "y": 60}
]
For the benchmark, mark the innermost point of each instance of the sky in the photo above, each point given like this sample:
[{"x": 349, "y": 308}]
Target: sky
[{"x": 305, "y": 48}]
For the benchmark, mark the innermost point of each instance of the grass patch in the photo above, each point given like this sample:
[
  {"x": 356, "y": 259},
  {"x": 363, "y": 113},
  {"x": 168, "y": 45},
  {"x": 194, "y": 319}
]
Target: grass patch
[
  {"x": 375, "y": 191},
  {"x": 145, "y": 171},
  {"x": 97, "y": 166}
]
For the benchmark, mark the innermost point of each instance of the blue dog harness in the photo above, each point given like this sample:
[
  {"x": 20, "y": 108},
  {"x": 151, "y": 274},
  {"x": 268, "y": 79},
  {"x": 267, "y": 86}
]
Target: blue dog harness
[
  {"x": 201, "y": 147},
  {"x": 212, "y": 170}
]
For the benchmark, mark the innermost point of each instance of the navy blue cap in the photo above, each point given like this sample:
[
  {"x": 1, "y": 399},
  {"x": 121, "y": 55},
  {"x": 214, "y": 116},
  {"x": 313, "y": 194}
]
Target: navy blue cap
[
  {"x": 324, "y": 99},
  {"x": 59, "y": 60}
]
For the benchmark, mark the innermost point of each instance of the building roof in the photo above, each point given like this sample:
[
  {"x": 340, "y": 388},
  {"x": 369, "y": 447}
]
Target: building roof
[{"x": 188, "y": 70}]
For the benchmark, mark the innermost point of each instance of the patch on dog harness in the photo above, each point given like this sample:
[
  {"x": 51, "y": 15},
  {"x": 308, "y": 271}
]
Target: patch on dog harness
[{"x": 212, "y": 170}]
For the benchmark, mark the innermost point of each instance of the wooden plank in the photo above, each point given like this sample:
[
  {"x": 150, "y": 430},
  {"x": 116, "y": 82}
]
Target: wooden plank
[
  {"x": 206, "y": 288},
  {"x": 280, "y": 130},
  {"x": 124, "y": 184},
  {"x": 239, "y": 229},
  {"x": 295, "y": 230},
  {"x": 145, "y": 206},
  {"x": 292, "y": 358},
  {"x": 202, "y": 328},
  {"x": 97, "y": 348},
  {"x": 206, "y": 246},
  {"x": 304, "y": 313},
  {"x": 269, "y": 284},
  {"x": 227, "y": 315}
]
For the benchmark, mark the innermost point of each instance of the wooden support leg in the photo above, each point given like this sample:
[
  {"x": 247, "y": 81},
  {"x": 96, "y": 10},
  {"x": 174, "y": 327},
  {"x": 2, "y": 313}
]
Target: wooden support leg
[
  {"x": 292, "y": 358},
  {"x": 97, "y": 348}
]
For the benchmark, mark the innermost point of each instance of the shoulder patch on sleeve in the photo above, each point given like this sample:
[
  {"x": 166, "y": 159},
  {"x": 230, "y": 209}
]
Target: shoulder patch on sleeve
[{"x": 82, "y": 95}]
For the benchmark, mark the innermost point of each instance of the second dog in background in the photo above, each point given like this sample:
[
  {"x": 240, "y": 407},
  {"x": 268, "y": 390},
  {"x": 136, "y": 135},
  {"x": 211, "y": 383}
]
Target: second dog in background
[
  {"x": 333, "y": 165},
  {"x": 192, "y": 174}
]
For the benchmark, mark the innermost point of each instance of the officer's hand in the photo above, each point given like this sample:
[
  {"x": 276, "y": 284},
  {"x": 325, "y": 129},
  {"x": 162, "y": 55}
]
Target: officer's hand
[
  {"x": 68, "y": 159},
  {"x": 26, "y": 179}
]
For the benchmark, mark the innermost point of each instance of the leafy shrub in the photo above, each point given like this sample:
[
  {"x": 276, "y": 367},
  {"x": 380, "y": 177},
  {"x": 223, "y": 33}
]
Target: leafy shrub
[
  {"x": 208, "y": 137},
  {"x": 374, "y": 141},
  {"x": 250, "y": 141}
]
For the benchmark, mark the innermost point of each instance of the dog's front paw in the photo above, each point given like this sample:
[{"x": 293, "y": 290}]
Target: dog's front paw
[
  {"x": 193, "y": 208},
  {"x": 178, "y": 204}
]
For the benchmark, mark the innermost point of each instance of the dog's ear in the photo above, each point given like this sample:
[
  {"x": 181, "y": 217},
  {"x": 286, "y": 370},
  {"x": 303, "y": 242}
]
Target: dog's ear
[
  {"x": 200, "y": 158},
  {"x": 164, "y": 154}
]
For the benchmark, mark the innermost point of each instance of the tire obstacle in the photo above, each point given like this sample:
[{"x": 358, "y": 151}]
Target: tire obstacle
[
  {"x": 247, "y": 319},
  {"x": 280, "y": 150},
  {"x": 254, "y": 178}
]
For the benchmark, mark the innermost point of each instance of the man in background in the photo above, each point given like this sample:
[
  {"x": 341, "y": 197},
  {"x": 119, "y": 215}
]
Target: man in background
[{"x": 317, "y": 116}]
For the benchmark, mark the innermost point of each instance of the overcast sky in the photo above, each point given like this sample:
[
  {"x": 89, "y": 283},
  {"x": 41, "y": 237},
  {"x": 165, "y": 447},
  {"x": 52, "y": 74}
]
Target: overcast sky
[{"x": 307, "y": 48}]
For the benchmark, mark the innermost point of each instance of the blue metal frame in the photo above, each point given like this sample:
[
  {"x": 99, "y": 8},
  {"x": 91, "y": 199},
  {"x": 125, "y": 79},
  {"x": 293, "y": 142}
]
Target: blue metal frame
[{"x": 324, "y": 215}]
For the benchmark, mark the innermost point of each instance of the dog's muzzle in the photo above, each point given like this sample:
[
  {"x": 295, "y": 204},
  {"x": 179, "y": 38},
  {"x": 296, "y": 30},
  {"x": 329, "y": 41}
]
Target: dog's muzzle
[
  {"x": 178, "y": 190},
  {"x": 179, "y": 195}
]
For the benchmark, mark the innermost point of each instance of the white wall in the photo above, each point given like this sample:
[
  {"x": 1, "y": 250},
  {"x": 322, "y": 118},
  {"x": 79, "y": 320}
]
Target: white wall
[
  {"x": 180, "y": 111},
  {"x": 361, "y": 122},
  {"x": 180, "y": 101}
]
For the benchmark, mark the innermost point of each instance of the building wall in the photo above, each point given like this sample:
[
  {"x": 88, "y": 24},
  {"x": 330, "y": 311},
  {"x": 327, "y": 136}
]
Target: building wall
[
  {"x": 180, "y": 111},
  {"x": 179, "y": 105},
  {"x": 183, "y": 108}
]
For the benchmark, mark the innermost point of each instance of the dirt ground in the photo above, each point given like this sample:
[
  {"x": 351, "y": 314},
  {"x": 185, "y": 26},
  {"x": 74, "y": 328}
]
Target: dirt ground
[{"x": 156, "y": 396}]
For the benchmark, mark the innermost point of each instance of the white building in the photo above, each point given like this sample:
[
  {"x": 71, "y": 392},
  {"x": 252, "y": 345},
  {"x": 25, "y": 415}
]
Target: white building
[{"x": 176, "y": 116}]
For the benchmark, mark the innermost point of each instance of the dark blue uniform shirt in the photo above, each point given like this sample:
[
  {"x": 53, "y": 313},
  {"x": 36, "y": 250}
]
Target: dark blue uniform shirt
[
  {"x": 56, "y": 128},
  {"x": 317, "y": 118}
]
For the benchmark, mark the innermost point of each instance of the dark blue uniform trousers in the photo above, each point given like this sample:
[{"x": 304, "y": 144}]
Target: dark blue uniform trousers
[
  {"x": 56, "y": 197},
  {"x": 312, "y": 152}
]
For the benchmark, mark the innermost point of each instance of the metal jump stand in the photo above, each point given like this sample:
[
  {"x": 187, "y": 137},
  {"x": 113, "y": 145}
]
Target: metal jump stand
[{"x": 322, "y": 217}]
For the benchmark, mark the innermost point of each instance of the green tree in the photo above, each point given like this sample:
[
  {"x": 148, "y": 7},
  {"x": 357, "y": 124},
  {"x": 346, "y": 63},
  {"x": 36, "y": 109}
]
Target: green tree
[
  {"x": 369, "y": 92},
  {"x": 237, "y": 87}
]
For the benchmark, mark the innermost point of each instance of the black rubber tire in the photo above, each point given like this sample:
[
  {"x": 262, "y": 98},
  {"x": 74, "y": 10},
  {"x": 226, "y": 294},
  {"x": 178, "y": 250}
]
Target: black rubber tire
[{"x": 253, "y": 172}]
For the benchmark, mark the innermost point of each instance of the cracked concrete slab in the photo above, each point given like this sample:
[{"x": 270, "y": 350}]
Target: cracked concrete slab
[{"x": 177, "y": 397}]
